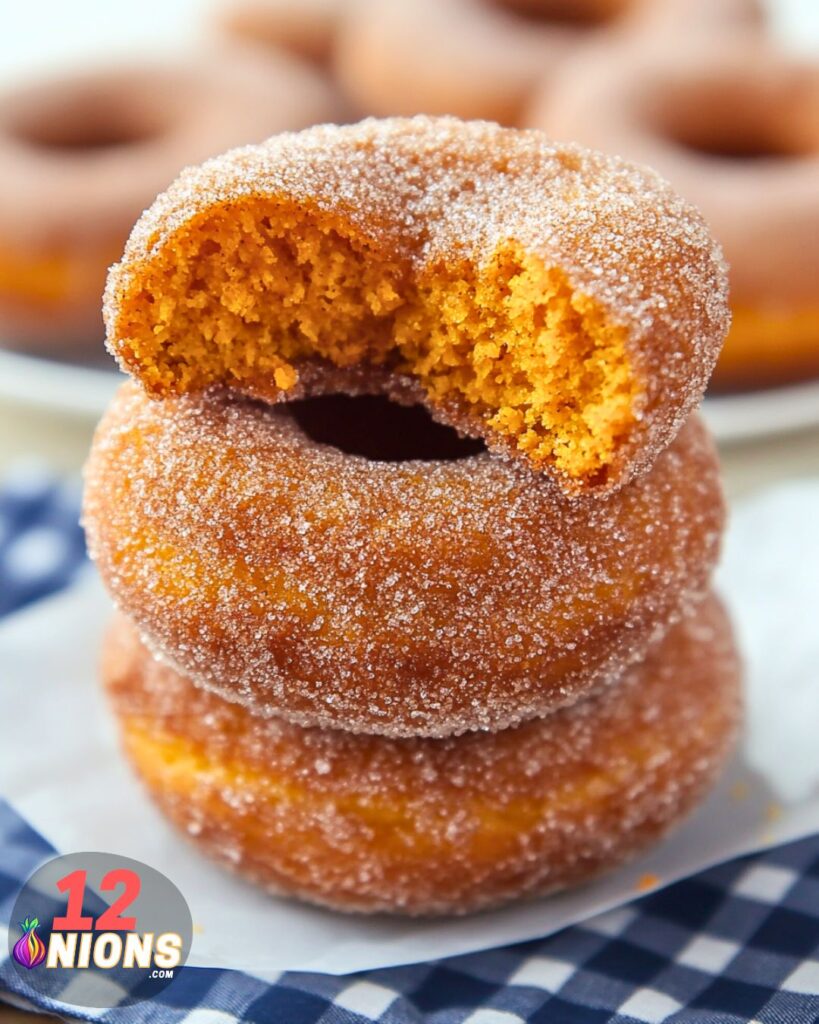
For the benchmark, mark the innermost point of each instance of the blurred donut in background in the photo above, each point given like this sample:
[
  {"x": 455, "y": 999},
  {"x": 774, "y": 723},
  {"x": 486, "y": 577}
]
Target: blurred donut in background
[
  {"x": 735, "y": 128},
  {"x": 691, "y": 19},
  {"x": 304, "y": 27},
  {"x": 83, "y": 154},
  {"x": 483, "y": 58}
]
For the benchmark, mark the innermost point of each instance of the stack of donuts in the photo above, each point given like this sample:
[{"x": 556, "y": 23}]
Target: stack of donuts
[{"x": 409, "y": 516}]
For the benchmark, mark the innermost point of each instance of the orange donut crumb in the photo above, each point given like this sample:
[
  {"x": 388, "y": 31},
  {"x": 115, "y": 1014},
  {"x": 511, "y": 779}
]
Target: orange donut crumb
[{"x": 566, "y": 307}]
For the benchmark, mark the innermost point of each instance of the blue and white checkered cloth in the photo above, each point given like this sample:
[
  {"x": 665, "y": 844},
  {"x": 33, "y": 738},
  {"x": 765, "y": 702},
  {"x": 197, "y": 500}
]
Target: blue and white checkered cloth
[{"x": 738, "y": 944}]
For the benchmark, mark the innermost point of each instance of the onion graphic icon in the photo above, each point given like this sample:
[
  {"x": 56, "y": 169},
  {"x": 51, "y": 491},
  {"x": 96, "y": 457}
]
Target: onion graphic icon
[{"x": 29, "y": 949}]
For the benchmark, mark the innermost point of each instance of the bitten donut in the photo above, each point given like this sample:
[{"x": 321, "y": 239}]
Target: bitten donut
[
  {"x": 565, "y": 306},
  {"x": 397, "y": 597},
  {"x": 81, "y": 156},
  {"x": 736, "y": 129},
  {"x": 306, "y": 27},
  {"x": 483, "y": 58},
  {"x": 418, "y": 826}
]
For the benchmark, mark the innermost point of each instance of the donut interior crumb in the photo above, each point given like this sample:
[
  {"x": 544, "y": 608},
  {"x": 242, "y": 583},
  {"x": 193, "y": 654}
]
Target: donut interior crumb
[{"x": 243, "y": 293}]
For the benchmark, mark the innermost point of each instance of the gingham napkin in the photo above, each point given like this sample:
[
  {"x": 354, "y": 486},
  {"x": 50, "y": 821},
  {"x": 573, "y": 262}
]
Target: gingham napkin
[{"x": 737, "y": 944}]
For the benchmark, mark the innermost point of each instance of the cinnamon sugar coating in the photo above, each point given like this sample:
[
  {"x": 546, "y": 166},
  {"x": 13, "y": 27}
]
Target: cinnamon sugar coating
[
  {"x": 565, "y": 306},
  {"x": 399, "y": 598},
  {"x": 419, "y": 826}
]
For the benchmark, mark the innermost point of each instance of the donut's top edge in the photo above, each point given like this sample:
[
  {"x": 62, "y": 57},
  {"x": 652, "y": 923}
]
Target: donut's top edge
[{"x": 441, "y": 188}]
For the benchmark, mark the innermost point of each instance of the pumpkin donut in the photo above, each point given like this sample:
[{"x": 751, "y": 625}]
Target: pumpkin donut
[
  {"x": 82, "y": 155},
  {"x": 483, "y": 58},
  {"x": 305, "y": 27},
  {"x": 565, "y": 306},
  {"x": 418, "y": 826},
  {"x": 401, "y": 597},
  {"x": 736, "y": 129}
]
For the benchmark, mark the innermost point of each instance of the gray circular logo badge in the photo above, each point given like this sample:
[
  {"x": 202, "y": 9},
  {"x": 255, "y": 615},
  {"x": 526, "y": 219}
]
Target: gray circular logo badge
[{"x": 99, "y": 930}]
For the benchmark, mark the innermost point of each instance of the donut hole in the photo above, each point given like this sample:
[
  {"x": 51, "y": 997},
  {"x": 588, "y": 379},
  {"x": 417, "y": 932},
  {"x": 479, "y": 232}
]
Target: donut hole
[
  {"x": 249, "y": 290},
  {"x": 730, "y": 141},
  {"x": 80, "y": 137},
  {"x": 374, "y": 428},
  {"x": 735, "y": 120},
  {"x": 572, "y": 13},
  {"x": 85, "y": 121}
]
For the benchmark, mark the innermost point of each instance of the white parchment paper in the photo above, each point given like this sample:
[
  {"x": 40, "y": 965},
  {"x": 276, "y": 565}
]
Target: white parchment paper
[{"x": 60, "y": 769}]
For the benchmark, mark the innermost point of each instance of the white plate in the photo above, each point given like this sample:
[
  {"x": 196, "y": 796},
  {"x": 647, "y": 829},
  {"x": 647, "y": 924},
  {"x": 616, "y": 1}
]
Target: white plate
[
  {"x": 756, "y": 414},
  {"x": 56, "y": 386}
]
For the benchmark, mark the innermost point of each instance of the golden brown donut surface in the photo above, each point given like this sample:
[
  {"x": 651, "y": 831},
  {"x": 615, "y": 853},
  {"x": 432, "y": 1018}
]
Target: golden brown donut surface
[
  {"x": 484, "y": 58},
  {"x": 434, "y": 826},
  {"x": 403, "y": 598},
  {"x": 565, "y": 306},
  {"x": 82, "y": 155},
  {"x": 735, "y": 127}
]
